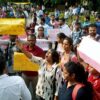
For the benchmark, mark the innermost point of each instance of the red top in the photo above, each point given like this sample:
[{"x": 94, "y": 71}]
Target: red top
[
  {"x": 95, "y": 81},
  {"x": 37, "y": 51}
]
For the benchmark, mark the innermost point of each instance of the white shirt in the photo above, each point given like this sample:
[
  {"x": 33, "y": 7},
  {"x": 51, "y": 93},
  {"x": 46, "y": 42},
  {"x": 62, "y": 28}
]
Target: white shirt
[
  {"x": 26, "y": 13},
  {"x": 66, "y": 14},
  {"x": 39, "y": 13},
  {"x": 65, "y": 29},
  {"x": 46, "y": 78},
  {"x": 13, "y": 88},
  {"x": 94, "y": 38},
  {"x": 45, "y": 26}
]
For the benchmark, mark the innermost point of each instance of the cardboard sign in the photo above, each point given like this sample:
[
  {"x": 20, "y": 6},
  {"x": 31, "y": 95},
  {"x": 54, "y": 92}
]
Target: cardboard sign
[
  {"x": 22, "y": 63},
  {"x": 43, "y": 43},
  {"x": 89, "y": 51},
  {"x": 12, "y": 26},
  {"x": 52, "y": 33}
]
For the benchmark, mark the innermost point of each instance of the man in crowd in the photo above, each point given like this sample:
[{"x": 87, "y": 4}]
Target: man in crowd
[
  {"x": 11, "y": 87},
  {"x": 64, "y": 27},
  {"x": 32, "y": 76},
  {"x": 92, "y": 32},
  {"x": 9, "y": 51},
  {"x": 98, "y": 24}
]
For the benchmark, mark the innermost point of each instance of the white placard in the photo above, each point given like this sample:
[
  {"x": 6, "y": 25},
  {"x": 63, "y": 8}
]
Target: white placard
[
  {"x": 89, "y": 51},
  {"x": 43, "y": 43},
  {"x": 52, "y": 33}
]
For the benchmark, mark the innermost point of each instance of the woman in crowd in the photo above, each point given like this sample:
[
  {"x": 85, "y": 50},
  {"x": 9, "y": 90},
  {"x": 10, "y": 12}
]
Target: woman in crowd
[
  {"x": 75, "y": 86},
  {"x": 40, "y": 34},
  {"x": 94, "y": 78},
  {"x": 68, "y": 54},
  {"x": 60, "y": 38},
  {"x": 49, "y": 78}
]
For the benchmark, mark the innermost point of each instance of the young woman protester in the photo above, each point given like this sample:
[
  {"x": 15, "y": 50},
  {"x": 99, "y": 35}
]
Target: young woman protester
[
  {"x": 68, "y": 54},
  {"x": 75, "y": 86},
  {"x": 49, "y": 74}
]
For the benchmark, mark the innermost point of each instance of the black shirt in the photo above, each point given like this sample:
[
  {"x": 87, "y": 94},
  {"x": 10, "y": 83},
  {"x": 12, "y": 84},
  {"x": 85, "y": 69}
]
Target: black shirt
[{"x": 66, "y": 93}]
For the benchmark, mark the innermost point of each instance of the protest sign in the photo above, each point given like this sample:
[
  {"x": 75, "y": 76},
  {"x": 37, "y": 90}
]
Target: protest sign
[
  {"x": 22, "y": 63},
  {"x": 12, "y": 26},
  {"x": 52, "y": 33},
  {"x": 89, "y": 51},
  {"x": 43, "y": 43}
]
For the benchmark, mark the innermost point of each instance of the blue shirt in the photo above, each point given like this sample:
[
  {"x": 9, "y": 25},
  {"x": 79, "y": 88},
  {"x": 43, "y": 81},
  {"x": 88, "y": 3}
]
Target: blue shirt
[
  {"x": 66, "y": 93},
  {"x": 98, "y": 27}
]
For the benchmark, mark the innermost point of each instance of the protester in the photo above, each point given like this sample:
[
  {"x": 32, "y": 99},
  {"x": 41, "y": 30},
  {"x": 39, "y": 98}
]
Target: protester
[
  {"x": 64, "y": 26},
  {"x": 76, "y": 20},
  {"x": 40, "y": 34},
  {"x": 60, "y": 38},
  {"x": 49, "y": 78},
  {"x": 68, "y": 54},
  {"x": 86, "y": 21},
  {"x": 92, "y": 32},
  {"x": 76, "y": 34},
  {"x": 43, "y": 24},
  {"x": 31, "y": 77},
  {"x": 53, "y": 22},
  {"x": 11, "y": 87},
  {"x": 57, "y": 13},
  {"x": 94, "y": 78},
  {"x": 66, "y": 15},
  {"x": 84, "y": 31},
  {"x": 75, "y": 77},
  {"x": 9, "y": 49},
  {"x": 98, "y": 23},
  {"x": 47, "y": 18}
]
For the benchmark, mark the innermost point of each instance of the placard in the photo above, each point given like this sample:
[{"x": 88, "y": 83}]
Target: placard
[
  {"x": 43, "y": 43},
  {"x": 89, "y": 51},
  {"x": 52, "y": 33},
  {"x": 12, "y": 26},
  {"x": 22, "y": 63}
]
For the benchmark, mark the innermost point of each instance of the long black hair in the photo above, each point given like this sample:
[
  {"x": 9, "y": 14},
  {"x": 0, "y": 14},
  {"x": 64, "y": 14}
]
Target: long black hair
[
  {"x": 70, "y": 41},
  {"x": 78, "y": 70},
  {"x": 61, "y": 35},
  {"x": 55, "y": 56},
  {"x": 80, "y": 74}
]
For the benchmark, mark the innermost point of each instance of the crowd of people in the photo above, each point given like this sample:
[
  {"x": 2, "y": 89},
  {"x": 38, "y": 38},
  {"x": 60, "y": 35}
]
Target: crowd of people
[{"x": 62, "y": 74}]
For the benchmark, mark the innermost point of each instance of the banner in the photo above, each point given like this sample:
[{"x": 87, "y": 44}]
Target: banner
[
  {"x": 89, "y": 51},
  {"x": 52, "y": 33},
  {"x": 12, "y": 26},
  {"x": 22, "y": 63},
  {"x": 42, "y": 43}
]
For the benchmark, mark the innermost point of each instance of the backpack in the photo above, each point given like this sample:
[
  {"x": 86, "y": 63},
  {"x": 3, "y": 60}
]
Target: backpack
[
  {"x": 96, "y": 95},
  {"x": 75, "y": 90}
]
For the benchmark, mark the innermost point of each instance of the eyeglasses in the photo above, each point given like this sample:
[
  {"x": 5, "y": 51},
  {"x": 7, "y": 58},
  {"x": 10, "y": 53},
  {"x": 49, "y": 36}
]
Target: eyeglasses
[
  {"x": 40, "y": 30},
  {"x": 30, "y": 40}
]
